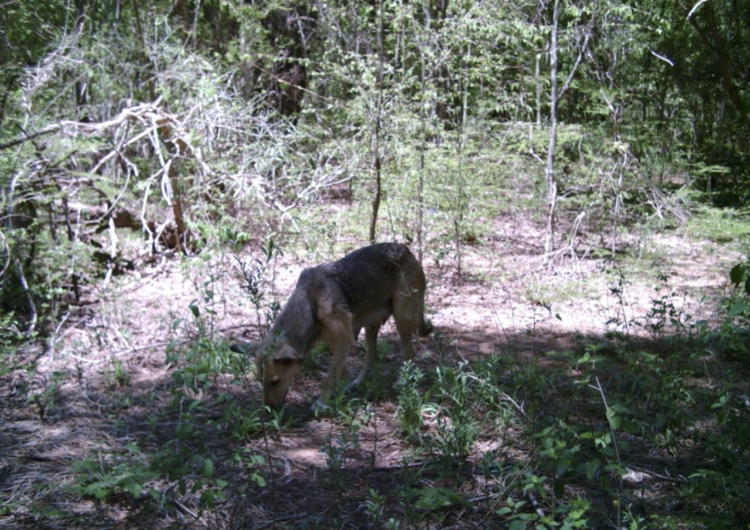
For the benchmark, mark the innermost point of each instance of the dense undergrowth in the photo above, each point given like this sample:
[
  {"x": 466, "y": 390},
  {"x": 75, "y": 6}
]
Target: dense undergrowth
[{"x": 642, "y": 426}]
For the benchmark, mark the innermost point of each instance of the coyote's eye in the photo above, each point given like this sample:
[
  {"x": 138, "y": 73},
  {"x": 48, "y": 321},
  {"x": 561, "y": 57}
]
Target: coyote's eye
[{"x": 275, "y": 381}]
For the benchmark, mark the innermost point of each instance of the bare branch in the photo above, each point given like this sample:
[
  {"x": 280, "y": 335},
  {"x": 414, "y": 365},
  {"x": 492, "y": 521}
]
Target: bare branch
[
  {"x": 581, "y": 52},
  {"x": 28, "y": 137},
  {"x": 695, "y": 8},
  {"x": 133, "y": 113}
]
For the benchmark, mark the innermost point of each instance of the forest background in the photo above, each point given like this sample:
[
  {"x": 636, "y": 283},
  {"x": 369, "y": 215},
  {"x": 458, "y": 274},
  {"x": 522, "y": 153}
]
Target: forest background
[{"x": 220, "y": 145}]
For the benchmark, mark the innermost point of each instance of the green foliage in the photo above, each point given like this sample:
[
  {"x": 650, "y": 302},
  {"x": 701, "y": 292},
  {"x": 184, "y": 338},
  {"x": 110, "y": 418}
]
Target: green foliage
[
  {"x": 457, "y": 426},
  {"x": 257, "y": 275},
  {"x": 29, "y": 29},
  {"x": 433, "y": 499},
  {"x": 339, "y": 446},
  {"x": 412, "y": 400},
  {"x": 722, "y": 487},
  {"x": 48, "y": 396},
  {"x": 185, "y": 460},
  {"x": 462, "y": 403},
  {"x": 458, "y": 106},
  {"x": 734, "y": 332},
  {"x": 718, "y": 226},
  {"x": 118, "y": 373},
  {"x": 104, "y": 475},
  {"x": 9, "y": 337}
]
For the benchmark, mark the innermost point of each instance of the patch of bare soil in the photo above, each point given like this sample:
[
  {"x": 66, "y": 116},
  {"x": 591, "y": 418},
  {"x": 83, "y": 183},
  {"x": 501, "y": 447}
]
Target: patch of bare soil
[{"x": 103, "y": 389}]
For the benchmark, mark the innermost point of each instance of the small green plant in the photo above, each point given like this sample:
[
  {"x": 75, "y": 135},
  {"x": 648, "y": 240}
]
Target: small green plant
[
  {"x": 275, "y": 421},
  {"x": 734, "y": 333},
  {"x": 457, "y": 425},
  {"x": 104, "y": 474},
  {"x": 192, "y": 471},
  {"x": 49, "y": 396},
  {"x": 10, "y": 336},
  {"x": 338, "y": 447},
  {"x": 436, "y": 498},
  {"x": 256, "y": 279},
  {"x": 491, "y": 403},
  {"x": 665, "y": 320},
  {"x": 574, "y": 513},
  {"x": 252, "y": 463},
  {"x": 118, "y": 373},
  {"x": 411, "y": 400},
  {"x": 375, "y": 508},
  {"x": 620, "y": 322},
  {"x": 391, "y": 524},
  {"x": 242, "y": 422},
  {"x": 433, "y": 503},
  {"x": 204, "y": 311}
]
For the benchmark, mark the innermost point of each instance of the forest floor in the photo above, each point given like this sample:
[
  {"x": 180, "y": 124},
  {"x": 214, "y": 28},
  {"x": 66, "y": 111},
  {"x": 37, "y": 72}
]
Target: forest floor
[{"x": 103, "y": 389}]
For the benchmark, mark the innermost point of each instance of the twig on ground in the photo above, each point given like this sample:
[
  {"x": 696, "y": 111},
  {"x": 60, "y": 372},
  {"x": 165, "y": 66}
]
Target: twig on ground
[{"x": 273, "y": 522}]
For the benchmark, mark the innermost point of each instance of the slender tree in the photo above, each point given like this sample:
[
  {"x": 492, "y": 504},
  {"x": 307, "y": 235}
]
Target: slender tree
[
  {"x": 377, "y": 159},
  {"x": 583, "y": 38},
  {"x": 549, "y": 170}
]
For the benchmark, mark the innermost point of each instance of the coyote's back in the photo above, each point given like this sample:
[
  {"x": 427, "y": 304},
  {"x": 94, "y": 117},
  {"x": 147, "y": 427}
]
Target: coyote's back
[{"x": 385, "y": 275}]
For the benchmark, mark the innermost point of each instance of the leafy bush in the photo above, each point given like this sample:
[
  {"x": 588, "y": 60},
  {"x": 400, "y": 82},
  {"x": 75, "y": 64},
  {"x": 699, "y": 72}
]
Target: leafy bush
[{"x": 734, "y": 333}]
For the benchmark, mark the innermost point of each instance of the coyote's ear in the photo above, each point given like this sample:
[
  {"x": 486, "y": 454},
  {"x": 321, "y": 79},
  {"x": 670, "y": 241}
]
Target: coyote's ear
[
  {"x": 248, "y": 348},
  {"x": 286, "y": 355}
]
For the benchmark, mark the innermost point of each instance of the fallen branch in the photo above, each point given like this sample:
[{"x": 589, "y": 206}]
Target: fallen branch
[
  {"x": 136, "y": 113},
  {"x": 28, "y": 137},
  {"x": 29, "y": 299},
  {"x": 4, "y": 254}
]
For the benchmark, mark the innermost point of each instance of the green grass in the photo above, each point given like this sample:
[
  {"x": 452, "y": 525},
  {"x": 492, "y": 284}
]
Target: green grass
[{"x": 723, "y": 226}]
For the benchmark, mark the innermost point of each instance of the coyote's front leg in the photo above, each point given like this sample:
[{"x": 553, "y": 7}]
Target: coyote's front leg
[{"x": 340, "y": 337}]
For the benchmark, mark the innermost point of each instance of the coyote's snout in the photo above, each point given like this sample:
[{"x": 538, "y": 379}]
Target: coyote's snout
[{"x": 332, "y": 303}]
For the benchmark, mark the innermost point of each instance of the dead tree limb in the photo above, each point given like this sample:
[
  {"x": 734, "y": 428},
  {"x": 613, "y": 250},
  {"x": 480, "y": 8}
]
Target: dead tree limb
[{"x": 30, "y": 136}]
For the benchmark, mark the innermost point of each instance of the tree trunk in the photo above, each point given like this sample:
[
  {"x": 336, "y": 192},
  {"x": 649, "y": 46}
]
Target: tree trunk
[
  {"x": 376, "y": 149},
  {"x": 538, "y": 82},
  {"x": 422, "y": 148},
  {"x": 176, "y": 200},
  {"x": 549, "y": 171},
  {"x": 143, "y": 51}
]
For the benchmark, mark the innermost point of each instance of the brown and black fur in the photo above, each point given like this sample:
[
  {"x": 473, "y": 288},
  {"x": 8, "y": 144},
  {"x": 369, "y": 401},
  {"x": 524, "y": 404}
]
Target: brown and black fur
[{"x": 332, "y": 303}]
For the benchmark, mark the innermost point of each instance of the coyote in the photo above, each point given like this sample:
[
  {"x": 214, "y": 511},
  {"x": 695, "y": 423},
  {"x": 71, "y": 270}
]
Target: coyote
[{"x": 332, "y": 303}]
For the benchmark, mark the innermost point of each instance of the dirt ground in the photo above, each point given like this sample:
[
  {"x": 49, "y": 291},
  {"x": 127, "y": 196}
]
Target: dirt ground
[{"x": 104, "y": 377}]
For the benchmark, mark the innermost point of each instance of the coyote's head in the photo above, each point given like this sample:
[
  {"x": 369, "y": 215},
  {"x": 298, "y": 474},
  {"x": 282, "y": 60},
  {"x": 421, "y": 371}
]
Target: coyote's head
[{"x": 276, "y": 364}]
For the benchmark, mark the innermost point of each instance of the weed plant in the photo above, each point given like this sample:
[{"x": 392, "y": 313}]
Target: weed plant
[
  {"x": 583, "y": 422},
  {"x": 179, "y": 461},
  {"x": 457, "y": 424},
  {"x": 412, "y": 400},
  {"x": 341, "y": 443}
]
